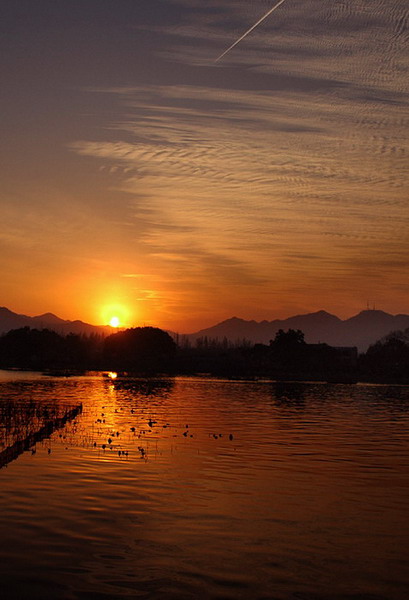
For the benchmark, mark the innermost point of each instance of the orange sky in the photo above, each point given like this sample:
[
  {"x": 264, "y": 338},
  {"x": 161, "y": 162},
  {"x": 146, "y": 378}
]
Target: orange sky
[{"x": 140, "y": 178}]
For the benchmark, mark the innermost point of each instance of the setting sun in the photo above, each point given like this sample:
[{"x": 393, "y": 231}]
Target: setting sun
[
  {"x": 116, "y": 315},
  {"x": 114, "y": 322}
]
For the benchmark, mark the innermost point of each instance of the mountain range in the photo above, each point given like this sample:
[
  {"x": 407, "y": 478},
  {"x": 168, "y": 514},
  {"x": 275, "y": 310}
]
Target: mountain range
[
  {"x": 360, "y": 330},
  {"x": 11, "y": 320}
]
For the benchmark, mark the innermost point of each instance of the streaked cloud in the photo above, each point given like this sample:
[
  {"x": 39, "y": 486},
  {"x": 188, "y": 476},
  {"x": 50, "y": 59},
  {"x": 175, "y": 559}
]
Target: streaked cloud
[
  {"x": 298, "y": 176},
  {"x": 272, "y": 182},
  {"x": 251, "y": 178}
]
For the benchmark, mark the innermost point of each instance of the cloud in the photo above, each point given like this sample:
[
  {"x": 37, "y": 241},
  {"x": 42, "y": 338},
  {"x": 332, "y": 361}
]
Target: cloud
[{"x": 293, "y": 175}]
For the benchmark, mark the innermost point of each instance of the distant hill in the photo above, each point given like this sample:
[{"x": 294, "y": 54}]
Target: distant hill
[
  {"x": 10, "y": 320},
  {"x": 362, "y": 330}
]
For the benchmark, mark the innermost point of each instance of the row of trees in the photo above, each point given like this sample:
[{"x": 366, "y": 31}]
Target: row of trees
[
  {"x": 151, "y": 350},
  {"x": 287, "y": 356},
  {"x": 388, "y": 359},
  {"x": 146, "y": 349}
]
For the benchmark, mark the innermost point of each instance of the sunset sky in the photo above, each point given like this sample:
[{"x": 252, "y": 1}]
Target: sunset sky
[{"x": 143, "y": 180}]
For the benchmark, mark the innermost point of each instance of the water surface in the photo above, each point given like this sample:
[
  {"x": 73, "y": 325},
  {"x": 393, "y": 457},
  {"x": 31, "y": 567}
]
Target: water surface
[{"x": 197, "y": 488}]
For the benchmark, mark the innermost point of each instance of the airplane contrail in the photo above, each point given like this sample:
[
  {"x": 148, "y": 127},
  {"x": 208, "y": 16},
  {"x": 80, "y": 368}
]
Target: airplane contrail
[{"x": 249, "y": 30}]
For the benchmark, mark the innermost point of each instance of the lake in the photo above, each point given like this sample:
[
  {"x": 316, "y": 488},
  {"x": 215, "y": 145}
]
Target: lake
[{"x": 198, "y": 488}]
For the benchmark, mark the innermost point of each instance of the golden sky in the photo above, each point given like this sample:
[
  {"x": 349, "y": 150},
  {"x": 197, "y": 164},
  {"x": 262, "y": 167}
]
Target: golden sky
[{"x": 140, "y": 177}]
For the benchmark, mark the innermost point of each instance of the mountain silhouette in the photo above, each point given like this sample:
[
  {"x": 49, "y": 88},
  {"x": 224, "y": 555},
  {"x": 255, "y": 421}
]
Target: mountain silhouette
[
  {"x": 361, "y": 330},
  {"x": 10, "y": 320}
]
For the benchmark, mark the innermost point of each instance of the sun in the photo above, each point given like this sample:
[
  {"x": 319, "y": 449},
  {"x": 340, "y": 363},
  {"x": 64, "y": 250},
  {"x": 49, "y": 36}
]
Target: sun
[
  {"x": 116, "y": 315},
  {"x": 114, "y": 322}
]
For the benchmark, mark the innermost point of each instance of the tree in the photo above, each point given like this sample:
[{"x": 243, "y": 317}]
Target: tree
[
  {"x": 388, "y": 359},
  {"x": 31, "y": 348},
  {"x": 288, "y": 352},
  {"x": 288, "y": 339},
  {"x": 140, "y": 349}
]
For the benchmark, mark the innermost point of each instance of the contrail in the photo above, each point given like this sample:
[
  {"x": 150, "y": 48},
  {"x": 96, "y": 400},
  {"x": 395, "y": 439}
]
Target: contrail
[{"x": 249, "y": 30}]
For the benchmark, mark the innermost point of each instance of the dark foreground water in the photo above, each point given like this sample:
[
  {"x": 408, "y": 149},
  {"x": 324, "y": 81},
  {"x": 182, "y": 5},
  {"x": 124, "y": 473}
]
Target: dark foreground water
[{"x": 195, "y": 488}]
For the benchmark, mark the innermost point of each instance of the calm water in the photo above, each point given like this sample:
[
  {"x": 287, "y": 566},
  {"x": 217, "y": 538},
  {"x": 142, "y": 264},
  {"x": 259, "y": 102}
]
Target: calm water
[{"x": 204, "y": 489}]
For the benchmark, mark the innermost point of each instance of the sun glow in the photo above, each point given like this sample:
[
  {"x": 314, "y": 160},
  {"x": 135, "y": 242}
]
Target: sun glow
[{"x": 116, "y": 315}]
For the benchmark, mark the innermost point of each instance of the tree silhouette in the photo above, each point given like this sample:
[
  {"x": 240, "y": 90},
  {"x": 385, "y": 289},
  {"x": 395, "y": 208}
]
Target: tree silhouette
[
  {"x": 288, "y": 351},
  {"x": 140, "y": 349},
  {"x": 388, "y": 359},
  {"x": 288, "y": 339},
  {"x": 31, "y": 348}
]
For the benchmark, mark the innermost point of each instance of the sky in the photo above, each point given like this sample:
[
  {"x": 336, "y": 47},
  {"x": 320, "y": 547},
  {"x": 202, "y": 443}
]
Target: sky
[{"x": 142, "y": 179}]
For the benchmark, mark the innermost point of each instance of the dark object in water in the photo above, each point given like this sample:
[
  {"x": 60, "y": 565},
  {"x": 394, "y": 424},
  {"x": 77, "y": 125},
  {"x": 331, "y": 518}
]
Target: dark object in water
[{"x": 14, "y": 451}]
